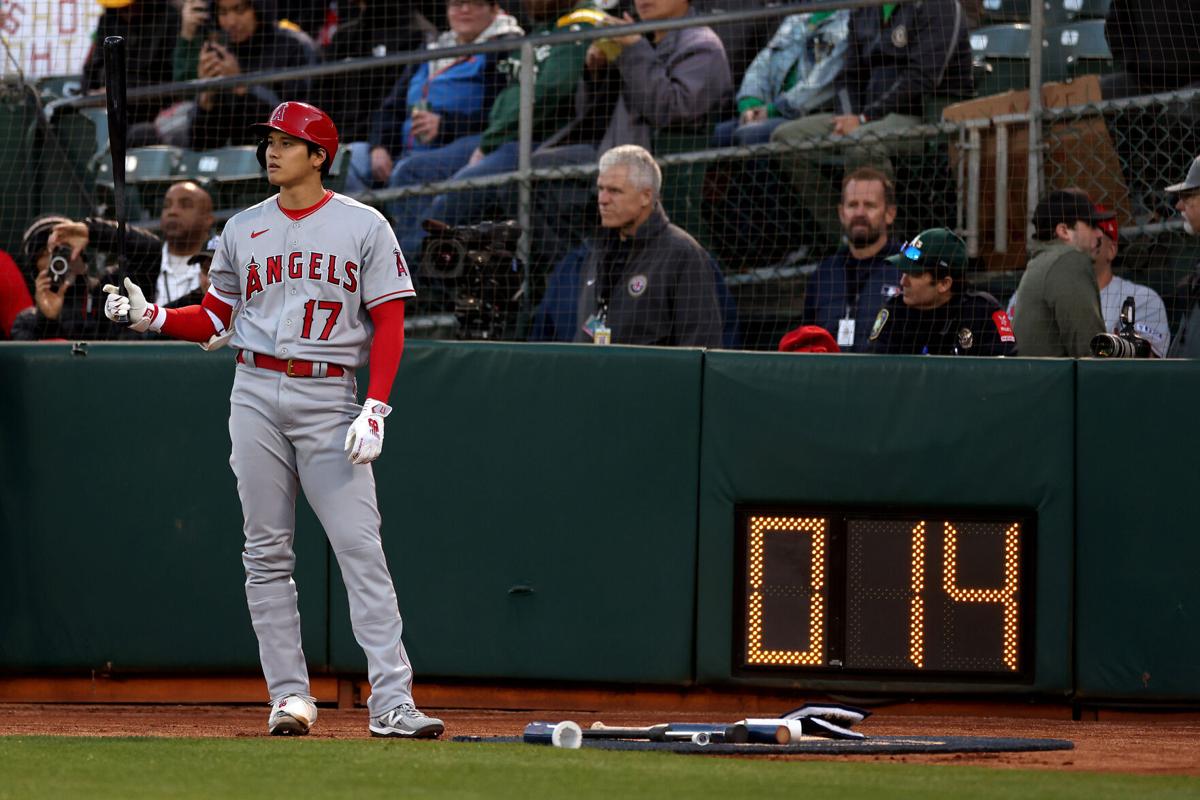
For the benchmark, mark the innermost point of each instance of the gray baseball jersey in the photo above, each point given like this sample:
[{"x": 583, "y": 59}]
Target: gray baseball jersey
[{"x": 303, "y": 287}]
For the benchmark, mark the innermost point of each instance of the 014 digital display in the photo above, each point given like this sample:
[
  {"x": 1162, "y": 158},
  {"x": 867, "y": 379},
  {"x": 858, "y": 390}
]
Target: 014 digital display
[{"x": 877, "y": 593}]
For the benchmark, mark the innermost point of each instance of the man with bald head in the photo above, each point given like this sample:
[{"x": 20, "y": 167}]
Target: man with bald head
[{"x": 163, "y": 262}]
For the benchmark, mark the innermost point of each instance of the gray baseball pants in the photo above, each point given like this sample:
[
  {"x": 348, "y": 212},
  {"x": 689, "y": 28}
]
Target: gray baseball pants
[{"x": 289, "y": 433}]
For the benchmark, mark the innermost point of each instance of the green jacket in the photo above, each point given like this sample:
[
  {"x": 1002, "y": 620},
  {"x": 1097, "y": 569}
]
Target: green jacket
[
  {"x": 1058, "y": 303},
  {"x": 558, "y": 71}
]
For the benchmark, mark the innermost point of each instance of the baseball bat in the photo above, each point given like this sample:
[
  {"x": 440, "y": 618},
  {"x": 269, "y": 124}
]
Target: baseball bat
[
  {"x": 118, "y": 124},
  {"x": 695, "y": 732}
]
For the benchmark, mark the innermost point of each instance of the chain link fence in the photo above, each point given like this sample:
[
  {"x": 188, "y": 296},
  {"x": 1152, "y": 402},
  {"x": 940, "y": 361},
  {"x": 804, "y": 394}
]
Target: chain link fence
[{"x": 493, "y": 120}]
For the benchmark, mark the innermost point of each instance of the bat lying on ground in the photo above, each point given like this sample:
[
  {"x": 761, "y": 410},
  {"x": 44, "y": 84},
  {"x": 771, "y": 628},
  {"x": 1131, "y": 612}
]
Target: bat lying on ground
[{"x": 716, "y": 732}]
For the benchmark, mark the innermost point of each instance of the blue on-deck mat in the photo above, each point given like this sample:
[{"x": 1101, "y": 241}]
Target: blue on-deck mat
[{"x": 875, "y": 745}]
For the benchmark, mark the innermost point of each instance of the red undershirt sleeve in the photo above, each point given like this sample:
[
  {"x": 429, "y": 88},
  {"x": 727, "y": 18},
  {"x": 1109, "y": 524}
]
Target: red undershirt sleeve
[
  {"x": 386, "y": 348},
  {"x": 194, "y": 323}
]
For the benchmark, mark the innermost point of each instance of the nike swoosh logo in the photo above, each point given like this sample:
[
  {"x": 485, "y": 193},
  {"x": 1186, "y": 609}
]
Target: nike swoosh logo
[{"x": 256, "y": 234}]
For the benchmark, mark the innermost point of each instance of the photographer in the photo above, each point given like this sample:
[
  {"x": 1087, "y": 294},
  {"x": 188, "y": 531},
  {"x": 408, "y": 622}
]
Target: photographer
[
  {"x": 162, "y": 263},
  {"x": 68, "y": 303}
]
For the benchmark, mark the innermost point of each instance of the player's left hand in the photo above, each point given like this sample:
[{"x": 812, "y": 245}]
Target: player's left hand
[{"x": 364, "y": 440}]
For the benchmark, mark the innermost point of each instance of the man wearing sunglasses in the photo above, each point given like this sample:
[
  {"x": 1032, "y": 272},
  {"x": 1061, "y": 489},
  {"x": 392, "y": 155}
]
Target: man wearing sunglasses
[{"x": 935, "y": 313}]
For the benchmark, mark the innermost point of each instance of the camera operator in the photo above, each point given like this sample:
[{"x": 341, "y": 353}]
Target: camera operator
[{"x": 68, "y": 303}]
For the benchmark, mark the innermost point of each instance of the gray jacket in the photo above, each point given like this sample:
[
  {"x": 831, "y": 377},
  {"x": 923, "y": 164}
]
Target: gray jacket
[
  {"x": 817, "y": 53},
  {"x": 657, "y": 287},
  {"x": 1058, "y": 303},
  {"x": 680, "y": 84}
]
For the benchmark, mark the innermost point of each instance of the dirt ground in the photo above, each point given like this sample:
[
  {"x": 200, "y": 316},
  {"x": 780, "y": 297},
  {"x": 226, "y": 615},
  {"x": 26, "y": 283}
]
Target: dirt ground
[{"x": 1138, "y": 745}]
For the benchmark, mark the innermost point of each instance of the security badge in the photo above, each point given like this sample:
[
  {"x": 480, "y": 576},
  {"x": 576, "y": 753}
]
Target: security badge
[
  {"x": 597, "y": 330},
  {"x": 880, "y": 320},
  {"x": 966, "y": 339}
]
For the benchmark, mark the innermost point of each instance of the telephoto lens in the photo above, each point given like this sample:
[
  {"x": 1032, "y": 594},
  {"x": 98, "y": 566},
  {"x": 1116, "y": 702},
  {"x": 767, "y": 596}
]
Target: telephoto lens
[
  {"x": 60, "y": 264},
  {"x": 1108, "y": 345}
]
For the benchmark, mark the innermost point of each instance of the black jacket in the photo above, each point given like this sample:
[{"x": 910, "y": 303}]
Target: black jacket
[
  {"x": 82, "y": 316},
  {"x": 971, "y": 324},
  {"x": 657, "y": 287},
  {"x": 149, "y": 28},
  {"x": 232, "y": 114},
  {"x": 349, "y": 98},
  {"x": 1156, "y": 41},
  {"x": 922, "y": 50}
]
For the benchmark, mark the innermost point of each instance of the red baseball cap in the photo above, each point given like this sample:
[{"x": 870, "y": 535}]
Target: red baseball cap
[
  {"x": 1108, "y": 223},
  {"x": 808, "y": 339}
]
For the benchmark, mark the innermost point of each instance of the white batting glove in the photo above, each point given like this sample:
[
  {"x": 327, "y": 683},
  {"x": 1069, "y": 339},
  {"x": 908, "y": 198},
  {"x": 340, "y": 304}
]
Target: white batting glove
[
  {"x": 132, "y": 309},
  {"x": 364, "y": 440}
]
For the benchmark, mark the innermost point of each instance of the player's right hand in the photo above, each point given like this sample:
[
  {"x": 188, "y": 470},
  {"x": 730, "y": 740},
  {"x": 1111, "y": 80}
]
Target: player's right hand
[{"x": 132, "y": 309}]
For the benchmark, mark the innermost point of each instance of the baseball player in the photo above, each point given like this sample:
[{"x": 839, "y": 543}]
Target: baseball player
[{"x": 305, "y": 285}]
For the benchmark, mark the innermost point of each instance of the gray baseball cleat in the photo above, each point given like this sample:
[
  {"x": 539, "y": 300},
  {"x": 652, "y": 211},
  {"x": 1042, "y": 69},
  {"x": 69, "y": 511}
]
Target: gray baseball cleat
[
  {"x": 407, "y": 721},
  {"x": 291, "y": 716}
]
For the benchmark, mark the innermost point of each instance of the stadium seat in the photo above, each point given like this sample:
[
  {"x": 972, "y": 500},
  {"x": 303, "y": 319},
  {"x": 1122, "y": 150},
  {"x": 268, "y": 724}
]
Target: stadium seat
[
  {"x": 57, "y": 87},
  {"x": 1059, "y": 11},
  {"x": 1077, "y": 48},
  {"x": 1001, "y": 55},
  {"x": 149, "y": 171},
  {"x": 1000, "y": 11}
]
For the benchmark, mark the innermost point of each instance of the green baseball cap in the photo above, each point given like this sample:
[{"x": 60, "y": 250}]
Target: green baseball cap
[{"x": 937, "y": 250}]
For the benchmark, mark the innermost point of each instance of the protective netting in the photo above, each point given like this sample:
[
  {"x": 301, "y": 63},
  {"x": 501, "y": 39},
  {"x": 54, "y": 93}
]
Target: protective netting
[{"x": 760, "y": 165}]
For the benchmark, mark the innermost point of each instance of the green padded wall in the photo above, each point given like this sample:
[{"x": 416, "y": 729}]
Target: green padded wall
[
  {"x": 120, "y": 528},
  {"x": 886, "y": 430},
  {"x": 539, "y": 507},
  {"x": 1138, "y": 612}
]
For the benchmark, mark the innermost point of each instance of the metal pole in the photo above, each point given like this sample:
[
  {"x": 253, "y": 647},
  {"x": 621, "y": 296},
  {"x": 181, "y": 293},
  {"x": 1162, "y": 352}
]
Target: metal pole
[
  {"x": 525, "y": 156},
  {"x": 1037, "y": 30},
  {"x": 974, "y": 190},
  {"x": 963, "y": 189},
  {"x": 1000, "y": 244}
]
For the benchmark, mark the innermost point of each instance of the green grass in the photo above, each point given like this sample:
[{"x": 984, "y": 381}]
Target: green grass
[{"x": 60, "y": 767}]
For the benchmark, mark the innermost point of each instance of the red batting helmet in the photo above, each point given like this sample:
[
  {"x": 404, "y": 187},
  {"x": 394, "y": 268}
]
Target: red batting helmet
[{"x": 305, "y": 122}]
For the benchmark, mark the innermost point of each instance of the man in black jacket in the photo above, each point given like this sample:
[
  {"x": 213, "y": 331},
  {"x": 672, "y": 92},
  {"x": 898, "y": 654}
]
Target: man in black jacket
[
  {"x": 149, "y": 28},
  {"x": 900, "y": 56},
  {"x": 645, "y": 281},
  {"x": 937, "y": 314}
]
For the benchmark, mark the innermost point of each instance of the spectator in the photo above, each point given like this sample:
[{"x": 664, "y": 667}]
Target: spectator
[
  {"x": 749, "y": 217},
  {"x": 645, "y": 281},
  {"x": 1058, "y": 299},
  {"x": 1187, "y": 202},
  {"x": 14, "y": 294},
  {"x": 366, "y": 29},
  {"x": 793, "y": 77},
  {"x": 899, "y": 57},
  {"x": 659, "y": 93},
  {"x": 432, "y": 120},
  {"x": 69, "y": 305},
  {"x": 148, "y": 27},
  {"x": 848, "y": 287},
  {"x": 248, "y": 39},
  {"x": 558, "y": 69},
  {"x": 937, "y": 314},
  {"x": 1153, "y": 43},
  {"x": 163, "y": 263},
  {"x": 1150, "y": 314}
]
